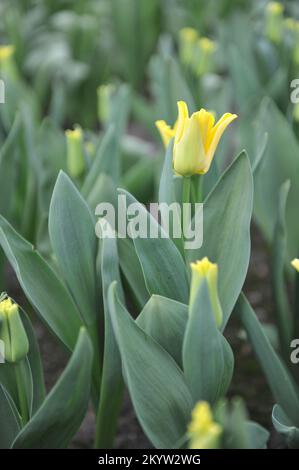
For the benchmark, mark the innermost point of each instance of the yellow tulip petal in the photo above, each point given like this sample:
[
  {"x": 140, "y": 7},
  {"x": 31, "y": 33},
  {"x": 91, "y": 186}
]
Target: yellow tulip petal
[
  {"x": 216, "y": 134},
  {"x": 189, "y": 154},
  {"x": 295, "y": 264},
  {"x": 166, "y": 132},
  {"x": 183, "y": 115},
  {"x": 206, "y": 123}
]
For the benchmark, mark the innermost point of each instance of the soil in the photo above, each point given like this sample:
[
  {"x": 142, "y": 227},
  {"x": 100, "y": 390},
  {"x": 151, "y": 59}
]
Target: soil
[{"x": 248, "y": 381}]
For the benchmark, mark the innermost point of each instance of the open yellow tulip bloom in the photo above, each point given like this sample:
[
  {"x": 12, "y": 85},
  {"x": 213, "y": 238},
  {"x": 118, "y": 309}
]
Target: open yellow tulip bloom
[{"x": 195, "y": 139}]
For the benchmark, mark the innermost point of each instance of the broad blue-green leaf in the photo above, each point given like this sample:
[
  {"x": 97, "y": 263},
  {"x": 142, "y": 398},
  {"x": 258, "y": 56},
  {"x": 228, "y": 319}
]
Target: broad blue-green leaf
[
  {"x": 245, "y": 81},
  {"x": 105, "y": 161},
  {"x": 278, "y": 253},
  {"x": 226, "y": 230},
  {"x": 104, "y": 190},
  {"x": 9, "y": 427},
  {"x": 42, "y": 287},
  {"x": 284, "y": 390},
  {"x": 157, "y": 386},
  {"x": 165, "y": 321},
  {"x": 167, "y": 195},
  {"x": 284, "y": 426},
  {"x": 168, "y": 85},
  {"x": 207, "y": 357},
  {"x": 34, "y": 359},
  {"x": 8, "y": 154},
  {"x": 280, "y": 163},
  {"x": 31, "y": 370},
  {"x": 162, "y": 264},
  {"x": 60, "y": 415},
  {"x": 111, "y": 382},
  {"x": 258, "y": 435},
  {"x": 131, "y": 269},
  {"x": 73, "y": 238}
]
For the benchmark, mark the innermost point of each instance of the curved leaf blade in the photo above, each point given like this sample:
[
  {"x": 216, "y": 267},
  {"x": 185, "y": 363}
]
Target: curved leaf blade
[
  {"x": 59, "y": 417},
  {"x": 157, "y": 386}
]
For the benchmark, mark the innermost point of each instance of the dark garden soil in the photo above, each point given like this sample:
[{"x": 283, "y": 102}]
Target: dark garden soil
[{"x": 248, "y": 381}]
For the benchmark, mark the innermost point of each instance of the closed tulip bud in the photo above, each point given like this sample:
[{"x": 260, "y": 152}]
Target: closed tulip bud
[
  {"x": 295, "y": 264},
  {"x": 290, "y": 24},
  {"x": 204, "y": 62},
  {"x": 196, "y": 140},
  {"x": 12, "y": 332},
  {"x": 205, "y": 270},
  {"x": 75, "y": 151},
  {"x": 7, "y": 63},
  {"x": 204, "y": 433},
  {"x": 296, "y": 112},
  {"x": 274, "y": 21},
  {"x": 104, "y": 93},
  {"x": 187, "y": 42}
]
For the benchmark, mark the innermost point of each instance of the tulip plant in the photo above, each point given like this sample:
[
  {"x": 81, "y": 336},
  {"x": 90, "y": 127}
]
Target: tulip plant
[
  {"x": 181, "y": 324},
  {"x": 30, "y": 418}
]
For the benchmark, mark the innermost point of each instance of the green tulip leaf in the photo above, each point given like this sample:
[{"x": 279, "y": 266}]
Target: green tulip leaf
[
  {"x": 165, "y": 321},
  {"x": 42, "y": 287},
  {"x": 111, "y": 382},
  {"x": 9, "y": 424},
  {"x": 226, "y": 230},
  {"x": 208, "y": 360},
  {"x": 157, "y": 386},
  {"x": 162, "y": 264},
  {"x": 59, "y": 417},
  {"x": 73, "y": 239},
  {"x": 284, "y": 426},
  {"x": 282, "y": 386}
]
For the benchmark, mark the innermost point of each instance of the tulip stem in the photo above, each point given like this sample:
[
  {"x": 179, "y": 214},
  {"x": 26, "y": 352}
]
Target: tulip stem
[
  {"x": 23, "y": 405},
  {"x": 186, "y": 189}
]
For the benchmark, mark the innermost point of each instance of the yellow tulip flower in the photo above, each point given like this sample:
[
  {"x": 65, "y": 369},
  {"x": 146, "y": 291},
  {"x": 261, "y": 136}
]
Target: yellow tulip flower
[
  {"x": 203, "y": 431},
  {"x": 75, "y": 152},
  {"x": 196, "y": 140},
  {"x": 295, "y": 264},
  {"x": 12, "y": 332},
  {"x": 167, "y": 132},
  {"x": 6, "y": 52},
  {"x": 201, "y": 270}
]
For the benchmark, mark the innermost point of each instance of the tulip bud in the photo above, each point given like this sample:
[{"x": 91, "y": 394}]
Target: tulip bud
[
  {"x": 204, "y": 433},
  {"x": 187, "y": 42},
  {"x": 205, "y": 53},
  {"x": 12, "y": 332},
  {"x": 296, "y": 112},
  {"x": 196, "y": 140},
  {"x": 7, "y": 64},
  {"x": 295, "y": 264},
  {"x": 104, "y": 93},
  {"x": 75, "y": 152},
  {"x": 274, "y": 22},
  {"x": 290, "y": 24},
  {"x": 201, "y": 270}
]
